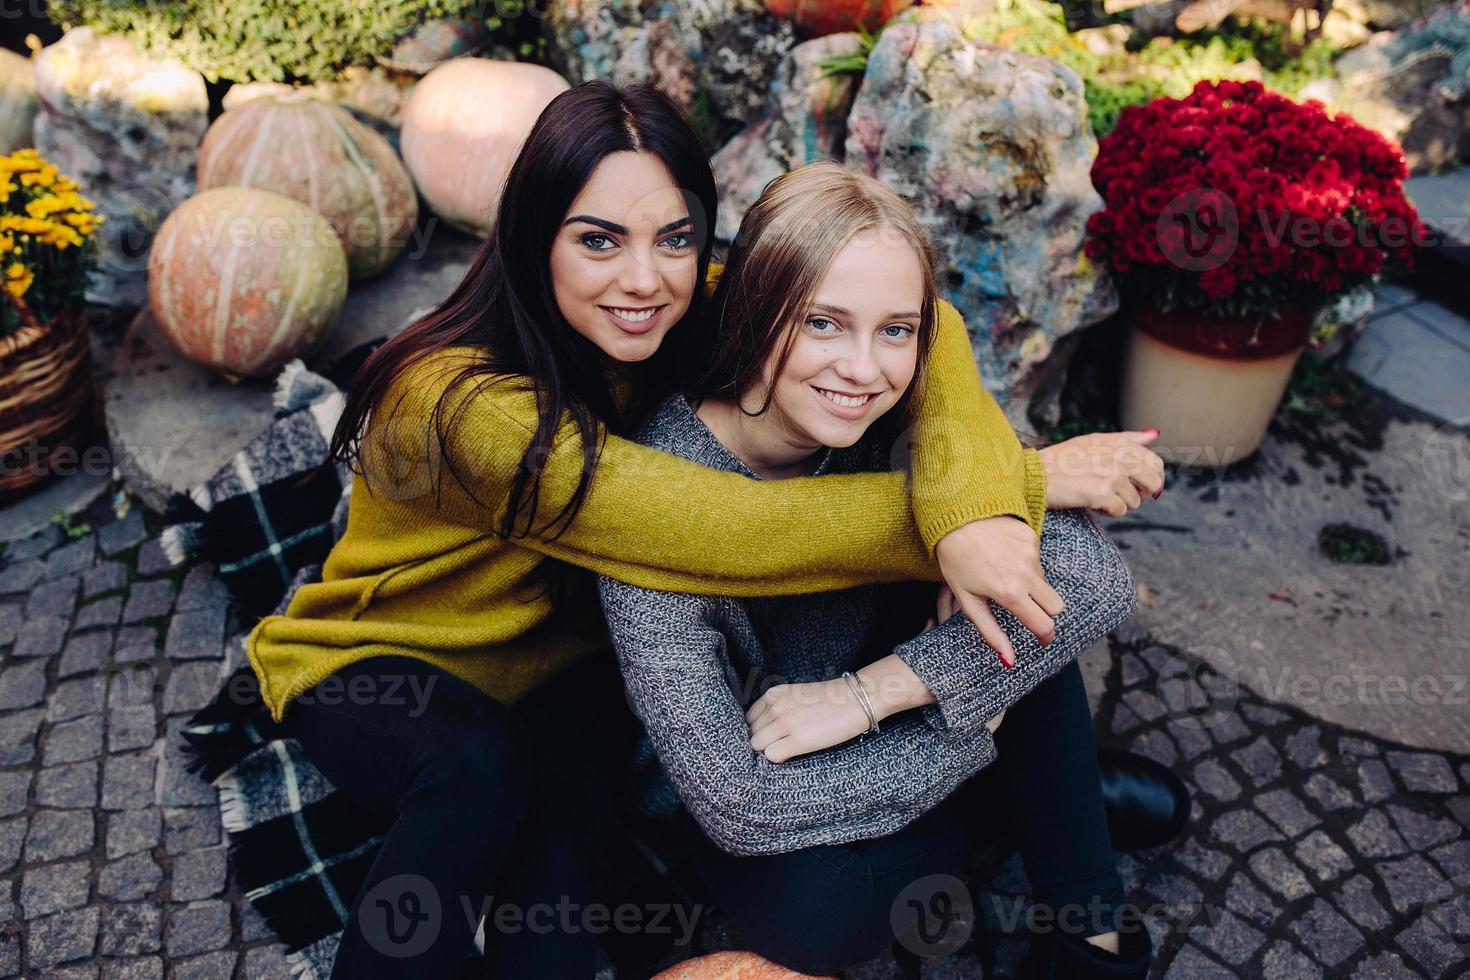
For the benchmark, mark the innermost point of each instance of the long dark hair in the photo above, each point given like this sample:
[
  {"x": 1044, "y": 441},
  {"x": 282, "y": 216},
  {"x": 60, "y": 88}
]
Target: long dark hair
[{"x": 506, "y": 307}]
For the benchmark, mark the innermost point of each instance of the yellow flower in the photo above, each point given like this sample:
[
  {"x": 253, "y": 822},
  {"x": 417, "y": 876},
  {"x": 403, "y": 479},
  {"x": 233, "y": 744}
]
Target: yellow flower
[
  {"x": 44, "y": 177},
  {"x": 61, "y": 236},
  {"x": 18, "y": 279},
  {"x": 6, "y": 186}
]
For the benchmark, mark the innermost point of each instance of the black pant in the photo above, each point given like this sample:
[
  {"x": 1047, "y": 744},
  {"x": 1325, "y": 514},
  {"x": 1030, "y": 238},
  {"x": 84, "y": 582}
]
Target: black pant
[
  {"x": 485, "y": 801},
  {"x": 822, "y": 909}
]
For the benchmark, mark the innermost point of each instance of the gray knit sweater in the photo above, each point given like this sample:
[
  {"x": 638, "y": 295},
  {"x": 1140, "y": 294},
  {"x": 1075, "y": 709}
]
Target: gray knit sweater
[{"x": 693, "y": 664}]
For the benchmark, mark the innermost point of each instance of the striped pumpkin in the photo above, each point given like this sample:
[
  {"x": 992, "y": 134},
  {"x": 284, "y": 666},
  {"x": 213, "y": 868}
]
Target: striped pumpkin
[
  {"x": 729, "y": 966},
  {"x": 462, "y": 126},
  {"x": 243, "y": 280},
  {"x": 816, "y": 18},
  {"x": 316, "y": 152}
]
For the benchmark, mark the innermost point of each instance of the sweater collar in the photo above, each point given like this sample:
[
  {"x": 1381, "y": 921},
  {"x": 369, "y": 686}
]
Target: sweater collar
[{"x": 712, "y": 450}]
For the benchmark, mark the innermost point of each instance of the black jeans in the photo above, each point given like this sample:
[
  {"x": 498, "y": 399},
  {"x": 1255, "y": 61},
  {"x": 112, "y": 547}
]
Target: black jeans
[
  {"x": 486, "y": 802},
  {"x": 822, "y": 909}
]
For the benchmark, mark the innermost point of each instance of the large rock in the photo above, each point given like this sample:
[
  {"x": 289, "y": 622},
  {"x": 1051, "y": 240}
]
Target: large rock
[
  {"x": 805, "y": 120},
  {"x": 722, "y": 50},
  {"x": 1387, "y": 14},
  {"x": 126, "y": 127},
  {"x": 1411, "y": 85},
  {"x": 993, "y": 149},
  {"x": 18, "y": 105}
]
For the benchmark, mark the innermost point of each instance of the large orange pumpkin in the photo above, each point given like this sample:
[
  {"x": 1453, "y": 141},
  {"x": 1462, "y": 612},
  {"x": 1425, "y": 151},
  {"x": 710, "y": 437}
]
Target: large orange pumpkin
[
  {"x": 730, "y": 966},
  {"x": 316, "y": 152},
  {"x": 462, "y": 126},
  {"x": 815, "y": 18},
  {"x": 243, "y": 280}
]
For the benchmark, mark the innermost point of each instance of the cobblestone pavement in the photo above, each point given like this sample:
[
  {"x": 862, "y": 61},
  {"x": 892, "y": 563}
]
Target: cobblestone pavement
[{"x": 1314, "y": 849}]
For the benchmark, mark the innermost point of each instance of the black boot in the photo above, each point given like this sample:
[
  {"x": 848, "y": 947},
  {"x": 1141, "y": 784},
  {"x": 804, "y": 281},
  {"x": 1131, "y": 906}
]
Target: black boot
[
  {"x": 1058, "y": 955},
  {"x": 1146, "y": 803}
]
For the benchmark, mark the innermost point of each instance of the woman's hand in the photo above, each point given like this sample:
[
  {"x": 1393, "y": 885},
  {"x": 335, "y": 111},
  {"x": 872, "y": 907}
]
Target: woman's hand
[
  {"x": 794, "y": 719},
  {"x": 1104, "y": 471},
  {"x": 999, "y": 559}
]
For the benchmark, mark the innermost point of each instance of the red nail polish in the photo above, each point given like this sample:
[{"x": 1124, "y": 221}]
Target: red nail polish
[
  {"x": 1153, "y": 430},
  {"x": 1156, "y": 496}
]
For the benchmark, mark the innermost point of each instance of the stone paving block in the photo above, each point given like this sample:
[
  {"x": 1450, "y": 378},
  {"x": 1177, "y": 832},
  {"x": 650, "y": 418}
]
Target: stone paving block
[
  {"x": 1243, "y": 830},
  {"x": 62, "y": 938},
  {"x": 58, "y": 598},
  {"x": 138, "y": 968},
  {"x": 1216, "y": 780},
  {"x": 199, "y": 874},
  {"x": 1264, "y": 715},
  {"x": 9, "y": 953},
  {"x": 1228, "y": 936},
  {"x": 18, "y": 735},
  {"x": 1202, "y": 861},
  {"x": 133, "y": 877},
  {"x": 267, "y": 963},
  {"x": 40, "y": 637},
  {"x": 20, "y": 576},
  {"x": 152, "y": 560},
  {"x": 1375, "y": 837},
  {"x": 54, "y": 888},
  {"x": 1304, "y": 747},
  {"x": 1429, "y": 946},
  {"x": 77, "y": 697},
  {"x": 35, "y": 545},
  {"x": 1283, "y": 809},
  {"x": 133, "y": 727},
  {"x": 1191, "y": 963},
  {"x": 191, "y": 686},
  {"x": 105, "y": 577},
  {"x": 1322, "y": 856},
  {"x": 135, "y": 643},
  {"x": 214, "y": 966},
  {"x": 1423, "y": 772},
  {"x": 122, "y": 534},
  {"x": 1282, "y": 962},
  {"x": 130, "y": 831},
  {"x": 1454, "y": 858},
  {"x": 15, "y": 788},
  {"x": 132, "y": 929},
  {"x": 1360, "y": 747},
  {"x": 12, "y": 836},
  {"x": 103, "y": 612},
  {"x": 22, "y": 684},
  {"x": 72, "y": 971},
  {"x": 1259, "y": 760},
  {"x": 191, "y": 827},
  {"x": 71, "y": 559},
  {"x": 1411, "y": 881},
  {"x": 1193, "y": 740},
  {"x": 1328, "y": 793},
  {"x": 130, "y": 685},
  {"x": 127, "y": 781},
  {"x": 1422, "y": 832},
  {"x": 59, "y": 834},
  {"x": 196, "y": 928},
  {"x": 1280, "y": 874},
  {"x": 1155, "y": 744},
  {"x": 1326, "y": 935},
  {"x": 252, "y": 924},
  {"x": 69, "y": 786},
  {"x": 1414, "y": 363},
  {"x": 1384, "y": 966},
  {"x": 1250, "y": 903},
  {"x": 148, "y": 599},
  {"x": 202, "y": 589},
  {"x": 1374, "y": 782},
  {"x": 10, "y": 620},
  {"x": 1355, "y": 899},
  {"x": 85, "y": 653},
  {"x": 197, "y": 635}
]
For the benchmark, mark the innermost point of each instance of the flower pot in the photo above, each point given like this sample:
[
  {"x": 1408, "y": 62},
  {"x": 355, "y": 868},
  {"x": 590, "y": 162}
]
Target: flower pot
[
  {"x": 1210, "y": 383},
  {"x": 45, "y": 398}
]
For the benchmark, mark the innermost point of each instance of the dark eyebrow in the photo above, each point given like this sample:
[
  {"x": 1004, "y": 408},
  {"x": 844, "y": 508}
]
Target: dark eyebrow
[
  {"x": 618, "y": 229},
  {"x": 842, "y": 312}
]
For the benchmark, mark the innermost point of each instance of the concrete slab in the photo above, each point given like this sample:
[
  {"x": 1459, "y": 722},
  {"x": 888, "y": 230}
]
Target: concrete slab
[
  {"x": 69, "y": 494},
  {"x": 173, "y": 423},
  {"x": 1404, "y": 354},
  {"x": 1443, "y": 202},
  {"x": 1230, "y": 570}
]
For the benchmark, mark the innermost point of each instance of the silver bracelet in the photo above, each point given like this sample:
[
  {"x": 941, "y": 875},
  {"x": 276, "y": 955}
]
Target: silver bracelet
[{"x": 860, "y": 691}]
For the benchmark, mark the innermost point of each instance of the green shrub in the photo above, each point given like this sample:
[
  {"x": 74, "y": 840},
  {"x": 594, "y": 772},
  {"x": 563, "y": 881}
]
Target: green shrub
[{"x": 268, "y": 40}]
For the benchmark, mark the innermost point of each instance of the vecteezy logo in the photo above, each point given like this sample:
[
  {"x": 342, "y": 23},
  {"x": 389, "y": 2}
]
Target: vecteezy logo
[
  {"x": 933, "y": 916},
  {"x": 1198, "y": 684},
  {"x": 400, "y": 917},
  {"x": 1198, "y": 230}
]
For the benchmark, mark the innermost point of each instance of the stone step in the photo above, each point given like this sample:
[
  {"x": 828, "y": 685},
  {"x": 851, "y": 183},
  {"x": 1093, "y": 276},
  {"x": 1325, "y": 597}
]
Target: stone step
[
  {"x": 1443, "y": 202},
  {"x": 172, "y": 423},
  {"x": 1418, "y": 352}
]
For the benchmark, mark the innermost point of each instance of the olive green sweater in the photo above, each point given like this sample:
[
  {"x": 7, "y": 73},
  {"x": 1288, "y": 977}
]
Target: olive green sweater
[{"x": 422, "y": 574}]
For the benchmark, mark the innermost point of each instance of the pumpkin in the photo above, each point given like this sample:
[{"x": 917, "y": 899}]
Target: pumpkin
[
  {"x": 729, "y": 966},
  {"x": 243, "y": 280},
  {"x": 18, "y": 103},
  {"x": 316, "y": 152},
  {"x": 462, "y": 126},
  {"x": 816, "y": 18}
]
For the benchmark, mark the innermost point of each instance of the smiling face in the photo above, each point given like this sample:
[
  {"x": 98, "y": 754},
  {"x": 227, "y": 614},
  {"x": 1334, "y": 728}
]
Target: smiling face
[
  {"x": 855, "y": 347},
  {"x": 624, "y": 263}
]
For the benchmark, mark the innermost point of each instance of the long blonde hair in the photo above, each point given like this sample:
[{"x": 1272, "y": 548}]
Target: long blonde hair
[{"x": 787, "y": 241}]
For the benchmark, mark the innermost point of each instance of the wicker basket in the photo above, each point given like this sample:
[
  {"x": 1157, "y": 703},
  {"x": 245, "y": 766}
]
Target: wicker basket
[{"x": 45, "y": 396}]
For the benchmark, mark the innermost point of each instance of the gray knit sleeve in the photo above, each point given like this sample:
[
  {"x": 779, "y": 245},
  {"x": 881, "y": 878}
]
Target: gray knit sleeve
[
  {"x": 969, "y": 682},
  {"x": 673, "y": 651}
]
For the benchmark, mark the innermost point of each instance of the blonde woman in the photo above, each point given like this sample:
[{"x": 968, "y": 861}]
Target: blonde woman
[{"x": 826, "y": 751}]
